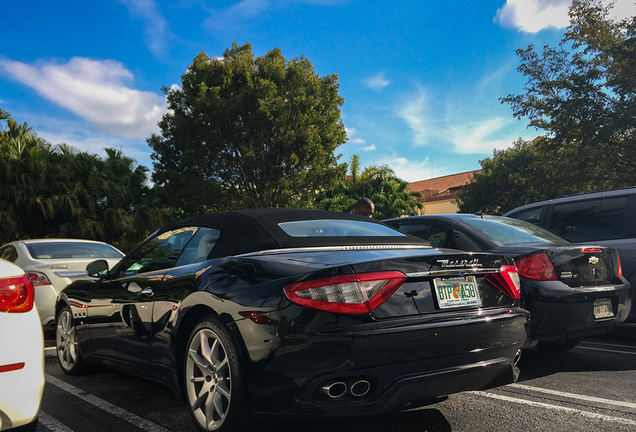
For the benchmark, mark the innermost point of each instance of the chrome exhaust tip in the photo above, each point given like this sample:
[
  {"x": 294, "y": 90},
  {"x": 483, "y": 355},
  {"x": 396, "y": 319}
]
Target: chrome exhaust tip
[
  {"x": 335, "y": 390},
  {"x": 360, "y": 388}
]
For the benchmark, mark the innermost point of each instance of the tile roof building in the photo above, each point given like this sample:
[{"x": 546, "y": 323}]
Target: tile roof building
[{"x": 438, "y": 194}]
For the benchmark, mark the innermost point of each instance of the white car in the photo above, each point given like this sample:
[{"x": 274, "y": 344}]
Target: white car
[
  {"x": 21, "y": 351},
  {"x": 52, "y": 264}
]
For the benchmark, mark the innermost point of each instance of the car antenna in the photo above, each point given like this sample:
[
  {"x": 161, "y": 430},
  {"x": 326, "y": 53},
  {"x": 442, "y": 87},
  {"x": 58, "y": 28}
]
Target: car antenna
[{"x": 480, "y": 214}]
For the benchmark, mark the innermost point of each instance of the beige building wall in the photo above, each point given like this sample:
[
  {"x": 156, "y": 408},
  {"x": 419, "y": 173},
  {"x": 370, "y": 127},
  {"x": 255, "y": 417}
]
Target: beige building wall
[{"x": 440, "y": 207}]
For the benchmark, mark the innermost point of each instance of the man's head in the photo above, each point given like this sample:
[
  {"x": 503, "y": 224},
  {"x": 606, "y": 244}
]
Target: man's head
[{"x": 364, "y": 207}]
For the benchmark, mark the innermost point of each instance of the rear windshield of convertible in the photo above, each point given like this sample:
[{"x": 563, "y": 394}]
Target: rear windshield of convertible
[{"x": 337, "y": 228}]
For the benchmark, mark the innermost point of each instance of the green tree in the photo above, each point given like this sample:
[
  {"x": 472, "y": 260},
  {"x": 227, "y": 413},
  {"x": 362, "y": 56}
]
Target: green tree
[
  {"x": 512, "y": 177},
  {"x": 583, "y": 95},
  {"x": 249, "y": 132},
  {"x": 23, "y": 160},
  {"x": 58, "y": 191},
  {"x": 389, "y": 193}
]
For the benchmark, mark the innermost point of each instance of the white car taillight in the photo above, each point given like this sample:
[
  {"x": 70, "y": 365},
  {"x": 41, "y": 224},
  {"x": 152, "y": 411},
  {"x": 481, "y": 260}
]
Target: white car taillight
[
  {"x": 16, "y": 294},
  {"x": 38, "y": 278}
]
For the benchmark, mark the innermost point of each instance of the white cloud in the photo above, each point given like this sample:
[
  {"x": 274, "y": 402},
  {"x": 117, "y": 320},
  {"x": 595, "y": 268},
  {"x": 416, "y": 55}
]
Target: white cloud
[
  {"x": 377, "y": 82},
  {"x": 236, "y": 15},
  {"x": 94, "y": 90},
  {"x": 481, "y": 135},
  {"x": 532, "y": 16},
  {"x": 368, "y": 148},
  {"x": 156, "y": 27},
  {"x": 351, "y": 135},
  {"x": 414, "y": 113},
  {"x": 459, "y": 127},
  {"x": 408, "y": 169}
]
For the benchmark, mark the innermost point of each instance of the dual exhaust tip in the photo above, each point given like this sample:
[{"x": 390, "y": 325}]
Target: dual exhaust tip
[
  {"x": 338, "y": 389},
  {"x": 360, "y": 388}
]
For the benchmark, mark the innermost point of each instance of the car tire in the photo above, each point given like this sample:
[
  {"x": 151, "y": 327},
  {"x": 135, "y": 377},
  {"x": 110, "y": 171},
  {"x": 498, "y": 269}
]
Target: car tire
[
  {"x": 213, "y": 380},
  {"x": 68, "y": 354},
  {"x": 562, "y": 346}
]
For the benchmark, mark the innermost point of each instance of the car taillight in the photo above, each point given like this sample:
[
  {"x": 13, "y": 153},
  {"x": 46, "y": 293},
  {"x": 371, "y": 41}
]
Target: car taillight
[
  {"x": 355, "y": 294},
  {"x": 38, "y": 278},
  {"x": 16, "y": 294},
  {"x": 537, "y": 267},
  {"x": 507, "y": 281},
  {"x": 588, "y": 249},
  {"x": 619, "y": 269}
]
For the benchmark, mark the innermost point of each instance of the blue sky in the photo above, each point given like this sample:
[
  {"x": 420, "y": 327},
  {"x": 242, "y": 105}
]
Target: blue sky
[{"x": 420, "y": 79}]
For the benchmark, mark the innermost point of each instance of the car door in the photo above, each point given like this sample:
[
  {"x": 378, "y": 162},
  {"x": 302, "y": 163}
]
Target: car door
[
  {"x": 184, "y": 278},
  {"x": 121, "y": 308}
]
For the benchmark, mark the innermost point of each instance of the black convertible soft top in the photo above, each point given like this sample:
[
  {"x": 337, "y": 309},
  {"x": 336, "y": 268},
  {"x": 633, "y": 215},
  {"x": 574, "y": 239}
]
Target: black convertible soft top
[{"x": 252, "y": 230}]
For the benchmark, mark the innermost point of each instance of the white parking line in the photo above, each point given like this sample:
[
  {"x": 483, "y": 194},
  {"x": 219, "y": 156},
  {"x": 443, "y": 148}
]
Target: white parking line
[
  {"x": 131, "y": 418},
  {"x": 527, "y": 402},
  {"x": 608, "y": 349},
  {"x": 52, "y": 424},
  {"x": 574, "y": 396}
]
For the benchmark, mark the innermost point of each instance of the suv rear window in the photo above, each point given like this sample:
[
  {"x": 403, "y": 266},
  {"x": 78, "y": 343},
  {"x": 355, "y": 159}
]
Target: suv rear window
[{"x": 589, "y": 220}]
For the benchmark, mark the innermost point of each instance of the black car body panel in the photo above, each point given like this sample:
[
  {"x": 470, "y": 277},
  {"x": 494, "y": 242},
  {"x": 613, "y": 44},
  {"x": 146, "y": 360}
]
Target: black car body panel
[
  {"x": 406, "y": 351},
  {"x": 600, "y": 218},
  {"x": 562, "y": 309}
]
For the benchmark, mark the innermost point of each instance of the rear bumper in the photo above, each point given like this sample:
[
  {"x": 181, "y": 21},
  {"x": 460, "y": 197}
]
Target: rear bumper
[
  {"x": 559, "y": 312},
  {"x": 406, "y": 363},
  {"x": 22, "y": 343}
]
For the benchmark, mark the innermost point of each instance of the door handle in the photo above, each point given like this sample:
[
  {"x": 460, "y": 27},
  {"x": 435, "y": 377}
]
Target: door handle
[{"x": 146, "y": 292}]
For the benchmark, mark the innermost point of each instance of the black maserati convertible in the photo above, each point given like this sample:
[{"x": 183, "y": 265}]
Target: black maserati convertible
[
  {"x": 296, "y": 312},
  {"x": 571, "y": 290}
]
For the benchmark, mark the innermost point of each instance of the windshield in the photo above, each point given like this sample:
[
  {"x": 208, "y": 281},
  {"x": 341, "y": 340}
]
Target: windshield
[
  {"x": 62, "y": 250},
  {"x": 510, "y": 231},
  {"x": 337, "y": 228}
]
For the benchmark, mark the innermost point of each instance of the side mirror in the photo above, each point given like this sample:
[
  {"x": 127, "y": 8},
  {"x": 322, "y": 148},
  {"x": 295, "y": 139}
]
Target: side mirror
[{"x": 97, "y": 269}]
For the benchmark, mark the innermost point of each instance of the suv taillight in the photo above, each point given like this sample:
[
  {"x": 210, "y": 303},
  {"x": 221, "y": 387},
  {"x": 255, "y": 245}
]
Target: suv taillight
[
  {"x": 16, "y": 294},
  {"x": 355, "y": 294},
  {"x": 507, "y": 281},
  {"x": 537, "y": 267}
]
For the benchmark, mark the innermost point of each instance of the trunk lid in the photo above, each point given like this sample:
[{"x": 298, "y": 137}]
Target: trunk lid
[
  {"x": 584, "y": 266},
  {"x": 450, "y": 283},
  {"x": 437, "y": 282}
]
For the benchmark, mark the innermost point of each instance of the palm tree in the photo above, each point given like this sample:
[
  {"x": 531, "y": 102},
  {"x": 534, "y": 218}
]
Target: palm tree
[{"x": 389, "y": 193}]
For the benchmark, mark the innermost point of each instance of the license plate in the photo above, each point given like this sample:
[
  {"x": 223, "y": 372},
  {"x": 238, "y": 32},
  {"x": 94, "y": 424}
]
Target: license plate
[
  {"x": 603, "y": 309},
  {"x": 457, "y": 292}
]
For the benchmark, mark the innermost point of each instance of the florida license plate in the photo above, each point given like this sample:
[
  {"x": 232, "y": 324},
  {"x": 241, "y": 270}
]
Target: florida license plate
[
  {"x": 457, "y": 292},
  {"x": 603, "y": 309}
]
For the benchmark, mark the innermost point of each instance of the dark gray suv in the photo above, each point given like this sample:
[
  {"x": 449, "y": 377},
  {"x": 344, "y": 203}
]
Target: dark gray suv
[{"x": 605, "y": 218}]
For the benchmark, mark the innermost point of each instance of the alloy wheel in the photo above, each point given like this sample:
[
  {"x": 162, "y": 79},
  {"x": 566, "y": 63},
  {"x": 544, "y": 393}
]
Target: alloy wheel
[
  {"x": 66, "y": 340},
  {"x": 208, "y": 379}
]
